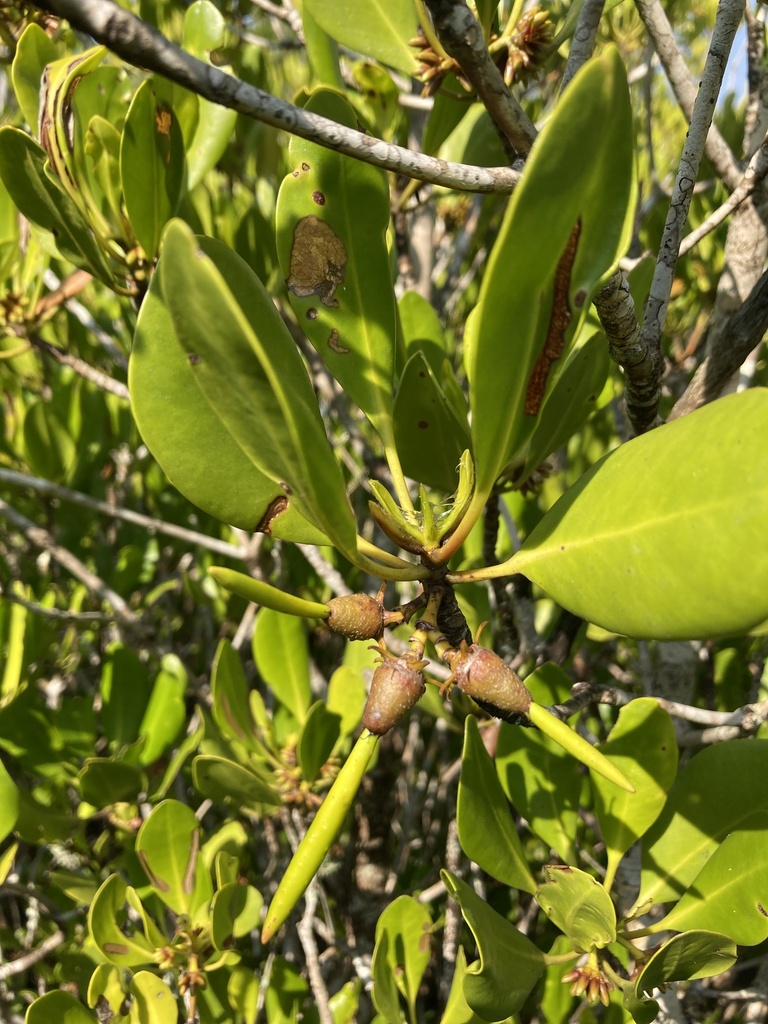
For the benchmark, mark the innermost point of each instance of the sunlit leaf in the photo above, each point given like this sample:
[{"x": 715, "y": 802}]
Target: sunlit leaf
[
  {"x": 377, "y": 29},
  {"x": 168, "y": 846},
  {"x": 579, "y": 905}
]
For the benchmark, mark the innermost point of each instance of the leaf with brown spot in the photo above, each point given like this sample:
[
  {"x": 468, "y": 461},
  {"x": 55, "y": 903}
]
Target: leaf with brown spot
[{"x": 318, "y": 261}]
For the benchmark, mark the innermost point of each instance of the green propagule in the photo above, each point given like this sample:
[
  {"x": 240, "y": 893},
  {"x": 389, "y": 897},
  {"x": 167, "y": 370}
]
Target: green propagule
[{"x": 397, "y": 685}]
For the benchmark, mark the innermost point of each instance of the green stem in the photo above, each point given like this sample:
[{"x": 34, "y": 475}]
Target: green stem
[
  {"x": 398, "y": 478},
  {"x": 425, "y": 23}
]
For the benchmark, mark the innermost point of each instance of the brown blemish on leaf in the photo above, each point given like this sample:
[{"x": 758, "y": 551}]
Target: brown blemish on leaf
[
  {"x": 163, "y": 120},
  {"x": 423, "y": 424},
  {"x": 234, "y": 725},
  {"x": 274, "y": 508},
  {"x": 762, "y": 910},
  {"x": 559, "y": 318},
  {"x": 311, "y": 313},
  {"x": 286, "y": 486},
  {"x": 334, "y": 345},
  {"x": 305, "y": 167},
  {"x": 318, "y": 261},
  {"x": 155, "y": 880},
  {"x": 318, "y": 197},
  {"x": 115, "y": 947},
  {"x": 188, "y": 882},
  {"x": 295, "y": 174},
  {"x": 194, "y": 359}
]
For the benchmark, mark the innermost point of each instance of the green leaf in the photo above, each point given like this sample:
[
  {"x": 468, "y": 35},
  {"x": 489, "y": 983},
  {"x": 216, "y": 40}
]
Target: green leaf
[
  {"x": 58, "y": 1007},
  {"x": 319, "y": 734},
  {"x": 579, "y": 906},
  {"x": 49, "y": 447},
  {"x": 151, "y": 166},
  {"x": 642, "y": 744},
  {"x": 499, "y": 983},
  {"x": 105, "y": 990},
  {"x": 698, "y": 954},
  {"x": 166, "y": 711},
  {"x": 550, "y": 249},
  {"x": 537, "y": 775},
  {"x": 34, "y": 50},
  {"x": 189, "y": 440},
  {"x": 125, "y": 691},
  {"x": 222, "y": 780},
  {"x": 229, "y": 695},
  {"x": 637, "y": 545},
  {"x": 45, "y": 203},
  {"x": 422, "y": 330},
  {"x": 401, "y": 955},
  {"x": 153, "y": 999},
  {"x": 714, "y": 794},
  {"x": 377, "y": 29},
  {"x": 168, "y": 846},
  {"x": 730, "y": 893},
  {"x": 9, "y": 802},
  {"x": 280, "y": 651},
  {"x": 346, "y": 697},
  {"x": 105, "y": 917},
  {"x": 486, "y": 831},
  {"x": 104, "y": 782},
  {"x": 235, "y": 911},
  {"x": 243, "y": 993},
  {"x": 331, "y": 220},
  {"x": 429, "y": 436},
  {"x": 247, "y": 366}
]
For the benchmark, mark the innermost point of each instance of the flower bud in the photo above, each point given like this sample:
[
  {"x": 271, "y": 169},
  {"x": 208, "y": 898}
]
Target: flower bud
[
  {"x": 356, "y": 616},
  {"x": 395, "y": 688},
  {"x": 490, "y": 682}
]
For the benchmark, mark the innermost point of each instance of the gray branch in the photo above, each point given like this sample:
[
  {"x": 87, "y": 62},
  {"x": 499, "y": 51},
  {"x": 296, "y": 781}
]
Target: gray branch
[
  {"x": 139, "y": 44},
  {"x": 727, "y": 20},
  {"x": 583, "y": 42},
  {"x": 461, "y": 35}
]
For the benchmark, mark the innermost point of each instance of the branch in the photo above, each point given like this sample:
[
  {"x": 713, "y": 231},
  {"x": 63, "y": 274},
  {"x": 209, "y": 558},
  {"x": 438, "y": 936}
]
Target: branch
[
  {"x": 27, "y": 960},
  {"x": 58, "y": 614},
  {"x": 583, "y": 42},
  {"x": 461, "y": 35},
  {"x": 42, "y": 539},
  {"x": 140, "y": 45},
  {"x": 743, "y": 331},
  {"x": 100, "y": 380},
  {"x": 659, "y": 29},
  {"x": 51, "y": 490},
  {"x": 729, "y": 14}
]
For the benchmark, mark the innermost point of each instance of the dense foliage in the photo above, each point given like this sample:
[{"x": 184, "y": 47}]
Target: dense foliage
[{"x": 330, "y": 333}]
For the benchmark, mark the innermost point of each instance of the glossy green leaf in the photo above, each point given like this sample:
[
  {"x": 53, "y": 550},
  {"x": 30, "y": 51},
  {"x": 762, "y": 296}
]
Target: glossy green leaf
[
  {"x": 377, "y": 29},
  {"x": 487, "y": 832},
  {"x": 572, "y": 399},
  {"x": 58, "y": 1007},
  {"x": 104, "y": 782},
  {"x": 222, "y": 779},
  {"x": 590, "y": 134},
  {"x": 49, "y": 447},
  {"x": 166, "y": 711},
  {"x": 537, "y": 775},
  {"x": 235, "y": 911},
  {"x": 204, "y": 31},
  {"x": 243, "y": 993},
  {"x": 730, "y": 893},
  {"x": 331, "y": 220},
  {"x": 34, "y": 50},
  {"x": 125, "y": 691},
  {"x": 280, "y": 650},
  {"x": 714, "y": 794},
  {"x": 106, "y": 991},
  {"x": 696, "y": 954},
  {"x": 247, "y": 366},
  {"x": 401, "y": 955},
  {"x": 105, "y": 916},
  {"x": 192, "y": 444},
  {"x": 229, "y": 694},
  {"x": 510, "y": 965},
  {"x": 450, "y": 105},
  {"x": 429, "y": 435},
  {"x": 346, "y": 697},
  {"x": 45, "y": 203},
  {"x": 344, "y": 1003},
  {"x": 168, "y": 846},
  {"x": 579, "y": 905},
  {"x": 9, "y": 802},
  {"x": 421, "y": 329},
  {"x": 642, "y": 744},
  {"x": 319, "y": 734},
  {"x": 153, "y": 1000},
  {"x": 637, "y": 545},
  {"x": 151, "y": 166}
]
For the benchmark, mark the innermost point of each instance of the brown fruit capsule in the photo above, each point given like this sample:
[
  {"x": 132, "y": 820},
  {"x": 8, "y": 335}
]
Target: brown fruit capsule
[
  {"x": 356, "y": 616},
  {"x": 395, "y": 688},
  {"x": 490, "y": 682}
]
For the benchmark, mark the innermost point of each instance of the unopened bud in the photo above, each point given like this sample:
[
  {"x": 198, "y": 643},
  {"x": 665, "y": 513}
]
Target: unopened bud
[
  {"x": 395, "y": 688},
  {"x": 356, "y": 616},
  {"x": 490, "y": 682}
]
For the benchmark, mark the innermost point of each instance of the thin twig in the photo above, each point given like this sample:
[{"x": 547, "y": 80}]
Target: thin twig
[
  {"x": 27, "y": 960},
  {"x": 58, "y": 614},
  {"x": 41, "y": 538},
  {"x": 584, "y": 694},
  {"x": 461, "y": 35},
  {"x": 51, "y": 490},
  {"x": 727, "y": 20},
  {"x": 306, "y": 934},
  {"x": 289, "y": 15},
  {"x": 684, "y": 87},
  {"x": 101, "y": 380},
  {"x": 145, "y": 47},
  {"x": 330, "y": 576},
  {"x": 583, "y": 42}
]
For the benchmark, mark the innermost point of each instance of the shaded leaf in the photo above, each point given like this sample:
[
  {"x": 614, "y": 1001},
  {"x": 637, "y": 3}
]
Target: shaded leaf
[
  {"x": 58, "y": 1007},
  {"x": 222, "y": 779},
  {"x": 104, "y": 782},
  {"x": 697, "y": 954},
  {"x": 166, "y": 711},
  {"x": 168, "y": 846},
  {"x": 319, "y": 733},
  {"x": 34, "y": 50},
  {"x": 401, "y": 955},
  {"x": 378, "y": 29},
  {"x": 280, "y": 651},
  {"x": 579, "y": 906},
  {"x": 235, "y": 911}
]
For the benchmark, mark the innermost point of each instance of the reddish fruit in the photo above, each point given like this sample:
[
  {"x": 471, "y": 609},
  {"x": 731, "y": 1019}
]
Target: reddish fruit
[
  {"x": 490, "y": 682},
  {"x": 395, "y": 688},
  {"x": 356, "y": 616}
]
